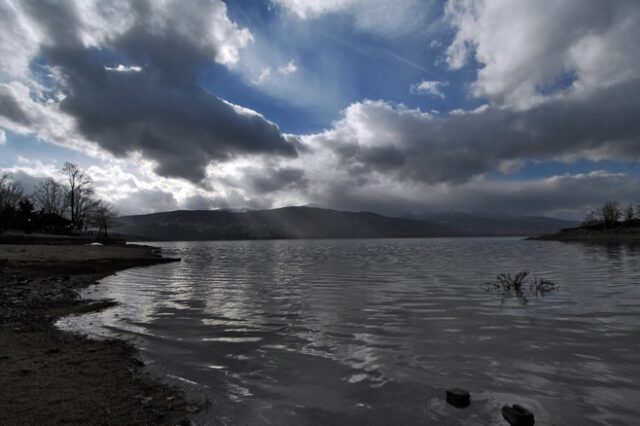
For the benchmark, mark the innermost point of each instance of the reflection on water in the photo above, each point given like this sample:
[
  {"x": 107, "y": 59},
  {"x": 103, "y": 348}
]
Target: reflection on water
[{"x": 373, "y": 331}]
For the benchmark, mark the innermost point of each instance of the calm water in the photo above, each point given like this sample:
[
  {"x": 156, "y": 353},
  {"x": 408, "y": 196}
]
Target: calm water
[{"x": 374, "y": 331}]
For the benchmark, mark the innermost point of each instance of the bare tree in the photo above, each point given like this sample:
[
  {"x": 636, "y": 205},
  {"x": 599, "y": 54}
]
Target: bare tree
[
  {"x": 610, "y": 213},
  {"x": 10, "y": 195},
  {"x": 79, "y": 195},
  {"x": 629, "y": 212},
  {"x": 103, "y": 216},
  {"x": 49, "y": 197},
  {"x": 10, "y": 192},
  {"x": 591, "y": 218}
]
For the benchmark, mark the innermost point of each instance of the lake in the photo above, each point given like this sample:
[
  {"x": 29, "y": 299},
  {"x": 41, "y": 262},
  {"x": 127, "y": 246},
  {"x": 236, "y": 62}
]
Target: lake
[{"x": 303, "y": 332}]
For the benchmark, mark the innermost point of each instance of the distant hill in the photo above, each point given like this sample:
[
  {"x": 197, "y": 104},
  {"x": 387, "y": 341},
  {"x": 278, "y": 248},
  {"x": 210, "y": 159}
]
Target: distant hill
[
  {"x": 494, "y": 224},
  {"x": 283, "y": 223}
]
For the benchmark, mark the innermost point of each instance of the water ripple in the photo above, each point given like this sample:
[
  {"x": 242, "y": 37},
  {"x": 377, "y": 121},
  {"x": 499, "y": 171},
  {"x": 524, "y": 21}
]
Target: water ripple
[{"x": 372, "y": 331}]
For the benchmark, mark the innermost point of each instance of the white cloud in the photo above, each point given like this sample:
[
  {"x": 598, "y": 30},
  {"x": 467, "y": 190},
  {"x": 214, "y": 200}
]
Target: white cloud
[
  {"x": 124, "y": 68},
  {"x": 307, "y": 9},
  {"x": 264, "y": 75},
  {"x": 431, "y": 88},
  {"x": 3, "y": 137},
  {"x": 531, "y": 50},
  {"x": 267, "y": 75},
  {"x": 19, "y": 41},
  {"x": 205, "y": 24},
  {"x": 288, "y": 68},
  {"x": 399, "y": 17},
  {"x": 34, "y": 170}
]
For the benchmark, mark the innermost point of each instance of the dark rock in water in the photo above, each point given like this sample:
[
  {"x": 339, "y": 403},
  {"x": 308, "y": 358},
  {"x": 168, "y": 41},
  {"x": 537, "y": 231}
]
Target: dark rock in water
[
  {"x": 517, "y": 415},
  {"x": 459, "y": 398}
]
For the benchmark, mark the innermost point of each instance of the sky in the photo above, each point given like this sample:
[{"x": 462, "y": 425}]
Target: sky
[{"x": 512, "y": 106}]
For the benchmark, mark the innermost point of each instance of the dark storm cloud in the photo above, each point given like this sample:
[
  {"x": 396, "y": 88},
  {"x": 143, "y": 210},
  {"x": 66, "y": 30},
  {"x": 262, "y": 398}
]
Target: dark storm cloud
[
  {"x": 272, "y": 180},
  {"x": 158, "y": 110}
]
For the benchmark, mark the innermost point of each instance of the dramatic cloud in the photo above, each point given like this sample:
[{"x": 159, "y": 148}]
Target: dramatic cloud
[
  {"x": 128, "y": 77},
  {"x": 431, "y": 88},
  {"x": 379, "y": 137},
  {"x": 532, "y": 49},
  {"x": 129, "y": 83}
]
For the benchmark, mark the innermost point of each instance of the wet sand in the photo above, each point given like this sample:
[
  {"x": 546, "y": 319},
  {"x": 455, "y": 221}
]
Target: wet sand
[{"x": 51, "y": 377}]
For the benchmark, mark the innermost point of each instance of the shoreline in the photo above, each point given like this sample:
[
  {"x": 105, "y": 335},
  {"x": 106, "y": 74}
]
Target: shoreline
[
  {"x": 592, "y": 238},
  {"x": 50, "y": 376},
  {"x": 620, "y": 232}
]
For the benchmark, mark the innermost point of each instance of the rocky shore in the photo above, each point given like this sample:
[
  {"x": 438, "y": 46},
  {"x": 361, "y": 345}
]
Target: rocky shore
[{"x": 51, "y": 377}]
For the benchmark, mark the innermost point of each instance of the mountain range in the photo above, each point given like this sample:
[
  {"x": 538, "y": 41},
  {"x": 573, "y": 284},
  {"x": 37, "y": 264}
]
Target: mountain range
[{"x": 312, "y": 222}]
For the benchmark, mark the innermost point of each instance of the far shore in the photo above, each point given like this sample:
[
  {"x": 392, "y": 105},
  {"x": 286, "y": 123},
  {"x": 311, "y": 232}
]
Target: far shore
[
  {"x": 52, "y": 377},
  {"x": 622, "y": 233}
]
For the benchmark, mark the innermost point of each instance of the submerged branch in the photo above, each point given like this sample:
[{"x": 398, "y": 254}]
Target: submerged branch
[{"x": 508, "y": 286}]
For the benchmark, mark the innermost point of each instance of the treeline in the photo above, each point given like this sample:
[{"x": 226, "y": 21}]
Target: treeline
[
  {"x": 68, "y": 207},
  {"x": 611, "y": 214}
]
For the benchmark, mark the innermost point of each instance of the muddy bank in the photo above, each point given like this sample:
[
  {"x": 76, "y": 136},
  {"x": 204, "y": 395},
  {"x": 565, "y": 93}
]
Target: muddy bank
[{"x": 51, "y": 377}]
